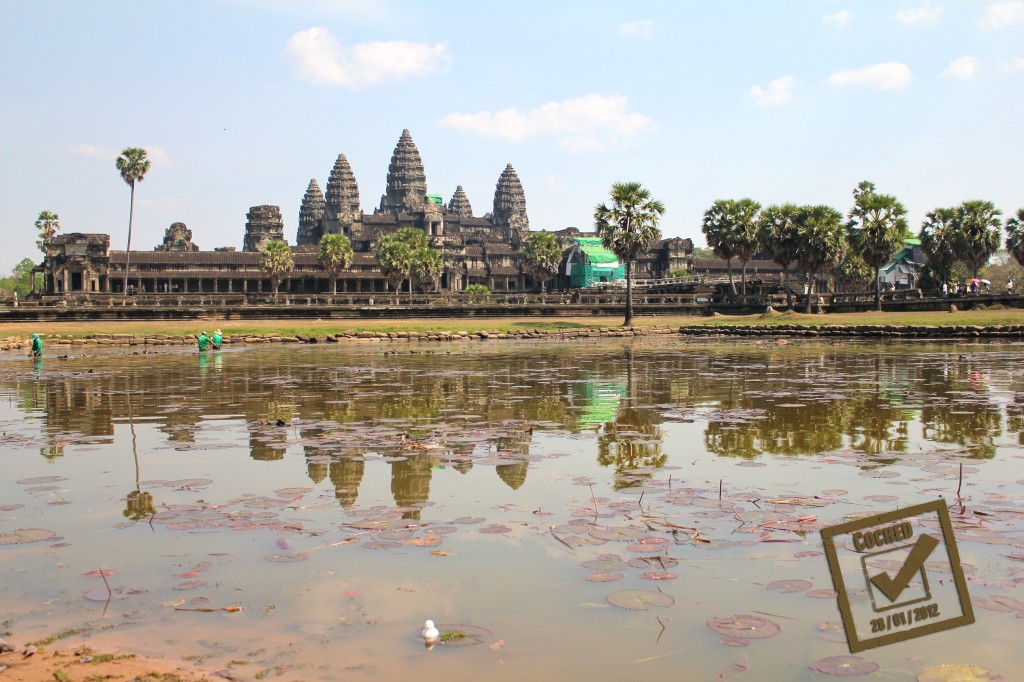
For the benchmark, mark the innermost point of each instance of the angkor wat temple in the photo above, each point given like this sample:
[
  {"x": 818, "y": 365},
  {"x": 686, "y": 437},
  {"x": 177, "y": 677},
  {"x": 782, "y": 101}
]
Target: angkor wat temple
[{"x": 475, "y": 250}]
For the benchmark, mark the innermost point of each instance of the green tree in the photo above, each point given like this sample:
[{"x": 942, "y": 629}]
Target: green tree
[
  {"x": 628, "y": 227},
  {"x": 977, "y": 231},
  {"x": 133, "y": 167},
  {"x": 334, "y": 252},
  {"x": 541, "y": 255},
  {"x": 395, "y": 255},
  {"x": 276, "y": 261},
  {"x": 822, "y": 243},
  {"x": 426, "y": 267},
  {"x": 779, "y": 235},
  {"x": 718, "y": 228},
  {"x": 877, "y": 229},
  {"x": 48, "y": 224},
  {"x": 1015, "y": 236},
  {"x": 745, "y": 233},
  {"x": 20, "y": 279},
  {"x": 938, "y": 240}
]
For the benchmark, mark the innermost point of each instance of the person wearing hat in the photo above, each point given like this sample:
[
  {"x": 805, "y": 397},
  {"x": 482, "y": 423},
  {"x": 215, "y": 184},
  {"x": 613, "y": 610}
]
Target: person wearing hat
[
  {"x": 217, "y": 339},
  {"x": 204, "y": 341},
  {"x": 37, "y": 346}
]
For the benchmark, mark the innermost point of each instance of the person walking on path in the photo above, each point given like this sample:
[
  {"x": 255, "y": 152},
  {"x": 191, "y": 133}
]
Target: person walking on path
[
  {"x": 204, "y": 341},
  {"x": 217, "y": 339},
  {"x": 37, "y": 346}
]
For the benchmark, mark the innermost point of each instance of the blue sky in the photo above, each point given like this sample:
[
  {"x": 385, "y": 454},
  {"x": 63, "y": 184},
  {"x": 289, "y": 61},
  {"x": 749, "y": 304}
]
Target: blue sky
[{"x": 242, "y": 102}]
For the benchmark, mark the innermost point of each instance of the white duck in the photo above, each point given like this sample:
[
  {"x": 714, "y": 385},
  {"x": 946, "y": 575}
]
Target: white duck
[{"x": 430, "y": 633}]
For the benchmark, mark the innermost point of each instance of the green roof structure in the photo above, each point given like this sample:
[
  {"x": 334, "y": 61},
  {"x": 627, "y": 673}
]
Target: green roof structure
[{"x": 590, "y": 263}]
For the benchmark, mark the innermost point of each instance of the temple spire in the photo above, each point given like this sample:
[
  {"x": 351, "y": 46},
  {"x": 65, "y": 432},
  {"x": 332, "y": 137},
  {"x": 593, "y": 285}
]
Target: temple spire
[
  {"x": 342, "y": 189},
  {"x": 407, "y": 182},
  {"x": 459, "y": 205},
  {"x": 311, "y": 215},
  {"x": 510, "y": 204}
]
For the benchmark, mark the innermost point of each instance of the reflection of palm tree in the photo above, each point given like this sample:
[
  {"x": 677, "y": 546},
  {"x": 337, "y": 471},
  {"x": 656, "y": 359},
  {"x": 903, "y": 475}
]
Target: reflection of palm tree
[{"x": 632, "y": 441}]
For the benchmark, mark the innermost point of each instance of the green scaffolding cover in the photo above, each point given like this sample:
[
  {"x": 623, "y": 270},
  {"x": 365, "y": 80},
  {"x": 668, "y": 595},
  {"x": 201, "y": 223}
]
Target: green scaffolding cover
[{"x": 596, "y": 265}]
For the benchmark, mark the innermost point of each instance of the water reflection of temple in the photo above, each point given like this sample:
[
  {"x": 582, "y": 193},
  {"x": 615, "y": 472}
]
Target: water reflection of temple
[{"x": 753, "y": 400}]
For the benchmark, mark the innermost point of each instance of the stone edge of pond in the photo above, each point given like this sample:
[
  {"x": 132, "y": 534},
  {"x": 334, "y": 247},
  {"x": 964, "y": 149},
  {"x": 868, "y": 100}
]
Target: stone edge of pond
[{"x": 865, "y": 331}]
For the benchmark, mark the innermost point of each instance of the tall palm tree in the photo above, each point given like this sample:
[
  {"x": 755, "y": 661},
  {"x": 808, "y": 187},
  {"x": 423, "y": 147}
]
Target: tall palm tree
[
  {"x": 877, "y": 228},
  {"x": 541, "y": 255},
  {"x": 938, "y": 241},
  {"x": 276, "y": 261},
  {"x": 396, "y": 255},
  {"x": 1015, "y": 236},
  {"x": 822, "y": 242},
  {"x": 628, "y": 227},
  {"x": 48, "y": 224},
  {"x": 734, "y": 222},
  {"x": 426, "y": 267},
  {"x": 133, "y": 167},
  {"x": 977, "y": 228},
  {"x": 719, "y": 228},
  {"x": 335, "y": 254},
  {"x": 779, "y": 236}
]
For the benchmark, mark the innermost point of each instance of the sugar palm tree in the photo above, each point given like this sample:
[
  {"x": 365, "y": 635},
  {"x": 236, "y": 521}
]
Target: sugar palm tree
[
  {"x": 877, "y": 229},
  {"x": 628, "y": 227},
  {"x": 133, "y": 167},
  {"x": 1015, "y": 236},
  {"x": 822, "y": 242},
  {"x": 779, "y": 236},
  {"x": 937, "y": 241},
  {"x": 733, "y": 224},
  {"x": 977, "y": 228},
  {"x": 335, "y": 254},
  {"x": 426, "y": 267},
  {"x": 541, "y": 255},
  {"x": 276, "y": 261},
  {"x": 48, "y": 225},
  {"x": 395, "y": 253}
]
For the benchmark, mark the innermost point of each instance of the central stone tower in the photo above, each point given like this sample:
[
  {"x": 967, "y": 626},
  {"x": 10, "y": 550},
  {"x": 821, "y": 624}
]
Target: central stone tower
[{"x": 407, "y": 182}]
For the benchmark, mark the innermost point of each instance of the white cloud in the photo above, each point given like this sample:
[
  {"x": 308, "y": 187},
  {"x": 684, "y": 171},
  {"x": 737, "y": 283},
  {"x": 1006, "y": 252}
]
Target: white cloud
[
  {"x": 925, "y": 14},
  {"x": 1012, "y": 66},
  {"x": 590, "y": 122},
  {"x": 317, "y": 56},
  {"x": 93, "y": 150},
  {"x": 642, "y": 28},
  {"x": 887, "y": 76},
  {"x": 778, "y": 92},
  {"x": 962, "y": 69},
  {"x": 1000, "y": 14},
  {"x": 840, "y": 18}
]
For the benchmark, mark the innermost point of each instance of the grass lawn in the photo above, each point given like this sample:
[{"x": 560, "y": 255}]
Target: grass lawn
[{"x": 313, "y": 327}]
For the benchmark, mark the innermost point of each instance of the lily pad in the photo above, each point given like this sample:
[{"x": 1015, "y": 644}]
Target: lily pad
[
  {"x": 844, "y": 666},
  {"x": 26, "y": 535},
  {"x": 744, "y": 627},
  {"x": 42, "y": 479},
  {"x": 957, "y": 672},
  {"x": 605, "y": 565},
  {"x": 603, "y": 577},
  {"x": 462, "y": 635},
  {"x": 639, "y": 600},
  {"x": 789, "y": 585}
]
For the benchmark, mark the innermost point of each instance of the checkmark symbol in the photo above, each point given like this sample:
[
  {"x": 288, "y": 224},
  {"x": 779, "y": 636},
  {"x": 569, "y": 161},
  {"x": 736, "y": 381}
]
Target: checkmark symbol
[{"x": 892, "y": 588}]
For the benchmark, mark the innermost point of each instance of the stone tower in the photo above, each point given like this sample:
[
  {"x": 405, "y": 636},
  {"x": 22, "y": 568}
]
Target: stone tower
[
  {"x": 311, "y": 215},
  {"x": 459, "y": 205},
  {"x": 342, "y": 199},
  {"x": 262, "y": 224},
  {"x": 510, "y": 206},
  {"x": 407, "y": 182}
]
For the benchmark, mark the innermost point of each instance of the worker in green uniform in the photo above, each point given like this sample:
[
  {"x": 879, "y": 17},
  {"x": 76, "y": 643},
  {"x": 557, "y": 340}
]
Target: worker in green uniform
[
  {"x": 204, "y": 341},
  {"x": 217, "y": 339},
  {"x": 37, "y": 346}
]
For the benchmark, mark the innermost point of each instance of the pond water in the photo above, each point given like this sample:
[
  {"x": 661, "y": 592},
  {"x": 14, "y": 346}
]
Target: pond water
[{"x": 560, "y": 510}]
